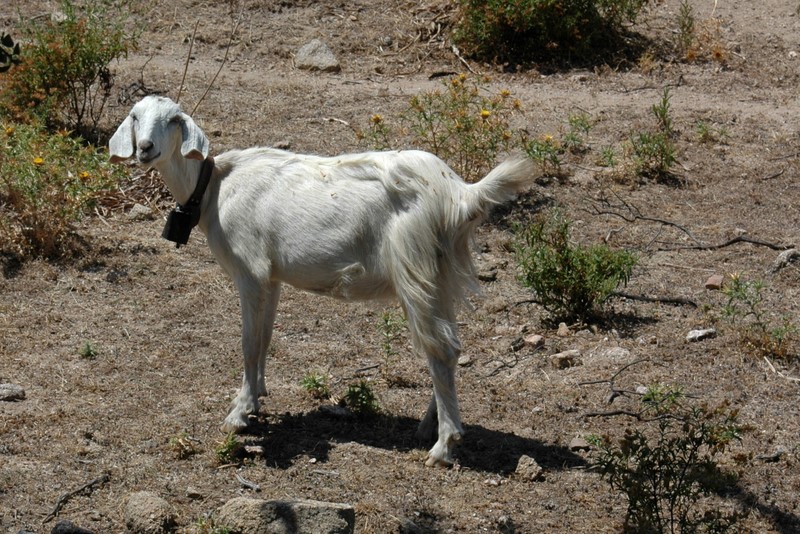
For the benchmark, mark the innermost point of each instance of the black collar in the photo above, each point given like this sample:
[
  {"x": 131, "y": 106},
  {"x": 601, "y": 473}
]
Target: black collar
[{"x": 202, "y": 184}]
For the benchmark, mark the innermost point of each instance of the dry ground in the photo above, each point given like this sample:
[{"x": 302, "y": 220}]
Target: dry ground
[{"x": 165, "y": 322}]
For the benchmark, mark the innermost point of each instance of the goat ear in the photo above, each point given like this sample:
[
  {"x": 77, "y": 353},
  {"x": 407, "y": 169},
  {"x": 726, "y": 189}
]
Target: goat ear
[
  {"x": 195, "y": 142},
  {"x": 120, "y": 146}
]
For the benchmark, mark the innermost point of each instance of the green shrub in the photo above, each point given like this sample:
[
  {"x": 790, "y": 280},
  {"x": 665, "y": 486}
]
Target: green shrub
[
  {"x": 664, "y": 468},
  {"x": 361, "y": 399},
  {"x": 229, "y": 451},
  {"x": 316, "y": 385},
  {"x": 523, "y": 30},
  {"x": 569, "y": 280},
  {"x": 63, "y": 78},
  {"x": 47, "y": 183}
]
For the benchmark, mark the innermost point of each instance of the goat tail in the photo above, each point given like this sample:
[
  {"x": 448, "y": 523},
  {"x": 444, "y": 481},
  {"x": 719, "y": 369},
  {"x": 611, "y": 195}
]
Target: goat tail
[{"x": 502, "y": 184}]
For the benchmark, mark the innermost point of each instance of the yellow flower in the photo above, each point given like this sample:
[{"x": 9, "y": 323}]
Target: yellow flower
[
  {"x": 547, "y": 138},
  {"x": 38, "y": 161},
  {"x": 485, "y": 114},
  {"x": 9, "y": 130},
  {"x": 505, "y": 93},
  {"x": 376, "y": 119},
  {"x": 83, "y": 175}
]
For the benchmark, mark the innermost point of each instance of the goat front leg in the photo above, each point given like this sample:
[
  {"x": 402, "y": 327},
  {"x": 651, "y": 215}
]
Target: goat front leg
[{"x": 258, "y": 314}]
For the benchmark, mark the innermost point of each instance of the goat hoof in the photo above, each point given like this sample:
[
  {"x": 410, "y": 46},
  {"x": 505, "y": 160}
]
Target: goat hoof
[
  {"x": 438, "y": 462},
  {"x": 233, "y": 427}
]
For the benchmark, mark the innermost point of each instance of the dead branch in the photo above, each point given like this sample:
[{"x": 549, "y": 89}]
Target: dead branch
[
  {"x": 247, "y": 484},
  {"x": 89, "y": 487},
  {"x": 224, "y": 60},
  {"x": 779, "y": 373},
  {"x": 737, "y": 239},
  {"x": 186, "y": 65},
  {"x": 630, "y": 213}
]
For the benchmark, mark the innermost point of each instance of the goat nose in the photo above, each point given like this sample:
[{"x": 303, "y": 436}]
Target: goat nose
[{"x": 145, "y": 145}]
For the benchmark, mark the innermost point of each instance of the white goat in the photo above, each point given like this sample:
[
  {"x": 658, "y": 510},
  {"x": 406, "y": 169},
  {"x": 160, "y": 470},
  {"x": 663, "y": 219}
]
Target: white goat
[{"x": 360, "y": 226}]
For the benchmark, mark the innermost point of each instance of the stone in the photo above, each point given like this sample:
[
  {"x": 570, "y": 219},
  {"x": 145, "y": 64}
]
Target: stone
[
  {"x": 255, "y": 516},
  {"x": 615, "y": 353},
  {"x": 534, "y": 341},
  {"x": 11, "y": 392},
  {"x": 464, "y": 360},
  {"x": 700, "y": 335},
  {"x": 714, "y": 282},
  {"x": 528, "y": 469},
  {"x": 140, "y": 212},
  {"x": 579, "y": 444},
  {"x": 566, "y": 359},
  {"x": 316, "y": 56},
  {"x": 563, "y": 330},
  {"x": 147, "y": 513},
  {"x": 68, "y": 527}
]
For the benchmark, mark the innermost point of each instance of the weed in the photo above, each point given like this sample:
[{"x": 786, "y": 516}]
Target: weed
[
  {"x": 608, "y": 157},
  {"x": 361, "y": 399},
  {"x": 654, "y": 152},
  {"x": 706, "y": 133},
  {"x": 206, "y": 525},
  {"x": 182, "y": 445},
  {"x": 316, "y": 385},
  {"x": 47, "y": 183},
  {"x": 390, "y": 326},
  {"x": 545, "y": 151},
  {"x": 664, "y": 471},
  {"x": 686, "y": 28},
  {"x": 88, "y": 351},
  {"x": 575, "y": 138},
  {"x": 63, "y": 78},
  {"x": 744, "y": 310},
  {"x": 460, "y": 123},
  {"x": 229, "y": 451},
  {"x": 569, "y": 280}
]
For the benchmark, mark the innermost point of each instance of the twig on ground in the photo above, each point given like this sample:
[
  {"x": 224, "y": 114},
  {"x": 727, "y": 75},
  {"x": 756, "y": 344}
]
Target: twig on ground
[
  {"x": 737, "y": 239},
  {"x": 779, "y": 373},
  {"x": 70, "y": 494},
  {"x": 247, "y": 484}
]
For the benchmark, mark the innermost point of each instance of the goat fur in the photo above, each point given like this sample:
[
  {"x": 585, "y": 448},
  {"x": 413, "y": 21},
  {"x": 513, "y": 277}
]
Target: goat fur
[{"x": 359, "y": 226}]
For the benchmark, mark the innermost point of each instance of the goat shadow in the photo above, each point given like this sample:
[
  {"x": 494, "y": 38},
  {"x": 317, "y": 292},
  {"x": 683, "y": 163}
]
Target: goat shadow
[{"x": 316, "y": 433}]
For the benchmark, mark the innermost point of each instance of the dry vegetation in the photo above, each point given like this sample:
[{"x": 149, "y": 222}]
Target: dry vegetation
[{"x": 130, "y": 355}]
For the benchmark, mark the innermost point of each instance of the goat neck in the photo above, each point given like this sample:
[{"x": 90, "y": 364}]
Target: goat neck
[{"x": 181, "y": 175}]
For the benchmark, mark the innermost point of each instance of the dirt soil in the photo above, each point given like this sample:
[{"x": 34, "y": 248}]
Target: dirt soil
[{"x": 165, "y": 323}]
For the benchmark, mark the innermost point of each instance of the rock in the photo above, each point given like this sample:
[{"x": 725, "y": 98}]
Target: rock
[
  {"x": 316, "y": 56},
  {"x": 68, "y": 527},
  {"x": 283, "y": 145},
  {"x": 11, "y": 392},
  {"x": 140, "y": 212},
  {"x": 579, "y": 444},
  {"x": 194, "y": 493},
  {"x": 528, "y": 469},
  {"x": 714, "y": 282},
  {"x": 534, "y": 341},
  {"x": 699, "y": 335},
  {"x": 147, "y": 513},
  {"x": 563, "y": 330},
  {"x": 256, "y": 516},
  {"x": 615, "y": 353},
  {"x": 488, "y": 275},
  {"x": 566, "y": 359},
  {"x": 642, "y": 390},
  {"x": 464, "y": 360}
]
